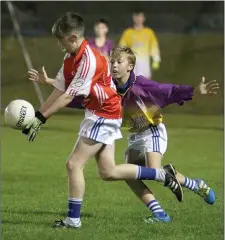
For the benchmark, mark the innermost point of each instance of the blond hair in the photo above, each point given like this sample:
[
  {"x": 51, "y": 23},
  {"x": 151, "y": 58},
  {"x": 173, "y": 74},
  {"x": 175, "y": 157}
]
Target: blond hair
[{"x": 117, "y": 52}]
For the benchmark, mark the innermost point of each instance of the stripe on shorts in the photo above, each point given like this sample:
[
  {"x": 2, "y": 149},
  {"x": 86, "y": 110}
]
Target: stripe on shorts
[
  {"x": 94, "y": 126},
  {"x": 98, "y": 128},
  {"x": 155, "y": 138},
  {"x": 95, "y": 129},
  {"x": 158, "y": 136}
]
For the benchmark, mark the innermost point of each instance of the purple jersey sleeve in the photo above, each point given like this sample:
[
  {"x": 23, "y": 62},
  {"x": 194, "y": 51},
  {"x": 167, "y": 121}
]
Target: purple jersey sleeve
[
  {"x": 76, "y": 102},
  {"x": 165, "y": 94}
]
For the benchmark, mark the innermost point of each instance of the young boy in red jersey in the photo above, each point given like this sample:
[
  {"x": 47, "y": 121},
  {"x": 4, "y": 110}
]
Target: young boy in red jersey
[{"x": 85, "y": 73}]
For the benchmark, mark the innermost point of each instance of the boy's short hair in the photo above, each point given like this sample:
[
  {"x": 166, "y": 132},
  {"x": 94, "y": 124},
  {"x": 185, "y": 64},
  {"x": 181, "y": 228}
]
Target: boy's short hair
[
  {"x": 120, "y": 50},
  {"x": 138, "y": 11},
  {"x": 68, "y": 23},
  {"x": 102, "y": 20}
]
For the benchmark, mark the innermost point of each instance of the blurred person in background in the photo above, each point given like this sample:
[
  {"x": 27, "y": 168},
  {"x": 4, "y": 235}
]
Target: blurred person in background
[
  {"x": 101, "y": 42},
  {"x": 142, "y": 40}
]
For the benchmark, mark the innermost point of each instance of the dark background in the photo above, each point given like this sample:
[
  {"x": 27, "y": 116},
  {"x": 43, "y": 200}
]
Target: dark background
[{"x": 190, "y": 35}]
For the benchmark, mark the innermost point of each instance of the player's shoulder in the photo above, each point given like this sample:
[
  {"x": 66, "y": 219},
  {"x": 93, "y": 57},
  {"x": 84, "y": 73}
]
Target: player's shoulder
[
  {"x": 148, "y": 30},
  {"x": 144, "y": 86},
  {"x": 128, "y": 31},
  {"x": 93, "y": 55},
  {"x": 144, "y": 82},
  {"x": 141, "y": 78},
  {"x": 91, "y": 51}
]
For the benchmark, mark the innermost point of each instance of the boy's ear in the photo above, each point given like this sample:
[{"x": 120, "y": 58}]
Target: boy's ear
[
  {"x": 73, "y": 38},
  {"x": 131, "y": 67}
]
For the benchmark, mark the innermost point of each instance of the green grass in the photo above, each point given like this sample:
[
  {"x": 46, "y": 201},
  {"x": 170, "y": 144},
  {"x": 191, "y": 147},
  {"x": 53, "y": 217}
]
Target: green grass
[{"x": 34, "y": 186}]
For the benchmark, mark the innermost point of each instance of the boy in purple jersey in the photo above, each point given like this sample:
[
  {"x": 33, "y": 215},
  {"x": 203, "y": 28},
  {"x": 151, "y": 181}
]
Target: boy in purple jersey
[
  {"x": 142, "y": 101},
  {"x": 101, "y": 41}
]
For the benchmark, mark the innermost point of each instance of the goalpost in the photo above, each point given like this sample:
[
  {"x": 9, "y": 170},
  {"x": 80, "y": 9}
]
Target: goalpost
[{"x": 23, "y": 48}]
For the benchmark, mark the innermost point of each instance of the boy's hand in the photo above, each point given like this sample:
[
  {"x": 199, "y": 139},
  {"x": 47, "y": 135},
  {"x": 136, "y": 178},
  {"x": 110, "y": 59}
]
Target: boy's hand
[
  {"x": 155, "y": 65},
  {"x": 209, "y": 88},
  {"x": 32, "y": 129},
  {"x": 40, "y": 76},
  {"x": 34, "y": 126}
]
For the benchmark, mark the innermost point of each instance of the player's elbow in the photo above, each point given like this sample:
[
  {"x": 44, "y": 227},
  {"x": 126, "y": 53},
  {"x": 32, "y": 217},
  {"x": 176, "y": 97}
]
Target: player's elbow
[{"x": 68, "y": 97}]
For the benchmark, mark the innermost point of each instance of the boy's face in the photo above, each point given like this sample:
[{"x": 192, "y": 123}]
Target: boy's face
[
  {"x": 68, "y": 43},
  {"x": 101, "y": 29},
  {"x": 138, "y": 18},
  {"x": 120, "y": 66}
]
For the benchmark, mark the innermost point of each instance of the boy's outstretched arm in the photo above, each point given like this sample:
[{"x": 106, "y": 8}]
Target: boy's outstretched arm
[{"x": 166, "y": 94}]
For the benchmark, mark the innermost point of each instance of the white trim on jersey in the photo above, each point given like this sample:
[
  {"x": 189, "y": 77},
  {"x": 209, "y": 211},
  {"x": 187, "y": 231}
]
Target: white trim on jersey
[
  {"x": 81, "y": 83},
  {"x": 59, "y": 82},
  {"x": 112, "y": 85},
  {"x": 59, "y": 79},
  {"x": 67, "y": 55},
  {"x": 101, "y": 95}
]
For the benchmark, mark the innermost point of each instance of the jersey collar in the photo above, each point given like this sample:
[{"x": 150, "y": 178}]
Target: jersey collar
[
  {"x": 80, "y": 51},
  {"x": 122, "y": 90}
]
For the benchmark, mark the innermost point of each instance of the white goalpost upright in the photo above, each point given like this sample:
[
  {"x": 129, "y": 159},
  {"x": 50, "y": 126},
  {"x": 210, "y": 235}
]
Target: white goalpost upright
[{"x": 23, "y": 48}]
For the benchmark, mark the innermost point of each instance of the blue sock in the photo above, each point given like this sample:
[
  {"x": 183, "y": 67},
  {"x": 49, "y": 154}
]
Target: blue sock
[
  {"x": 145, "y": 173},
  {"x": 74, "y": 206},
  {"x": 190, "y": 184},
  {"x": 155, "y": 208}
]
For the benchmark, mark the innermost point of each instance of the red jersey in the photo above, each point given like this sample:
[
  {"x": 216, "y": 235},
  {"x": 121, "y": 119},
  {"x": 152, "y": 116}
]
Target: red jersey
[{"x": 87, "y": 74}]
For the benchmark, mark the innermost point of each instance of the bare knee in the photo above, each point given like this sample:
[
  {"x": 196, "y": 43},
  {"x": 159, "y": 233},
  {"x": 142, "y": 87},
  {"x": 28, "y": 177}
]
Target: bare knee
[
  {"x": 72, "y": 165},
  {"x": 108, "y": 175}
]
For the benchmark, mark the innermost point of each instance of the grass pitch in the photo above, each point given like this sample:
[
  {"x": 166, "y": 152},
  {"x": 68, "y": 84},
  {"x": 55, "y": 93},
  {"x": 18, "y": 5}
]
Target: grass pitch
[{"x": 34, "y": 186}]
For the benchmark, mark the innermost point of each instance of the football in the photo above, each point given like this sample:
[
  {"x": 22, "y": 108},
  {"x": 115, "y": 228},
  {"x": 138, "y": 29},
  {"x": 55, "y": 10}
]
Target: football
[{"x": 18, "y": 113}]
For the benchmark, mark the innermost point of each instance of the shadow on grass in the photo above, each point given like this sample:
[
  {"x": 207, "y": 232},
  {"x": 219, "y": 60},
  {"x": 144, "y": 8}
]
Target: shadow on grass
[
  {"x": 25, "y": 222},
  {"x": 40, "y": 213}
]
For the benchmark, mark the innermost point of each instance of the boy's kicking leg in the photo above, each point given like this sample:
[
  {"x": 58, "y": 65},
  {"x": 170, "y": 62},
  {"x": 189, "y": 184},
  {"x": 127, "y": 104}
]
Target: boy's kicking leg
[
  {"x": 85, "y": 149},
  {"x": 150, "y": 147},
  {"x": 142, "y": 191}
]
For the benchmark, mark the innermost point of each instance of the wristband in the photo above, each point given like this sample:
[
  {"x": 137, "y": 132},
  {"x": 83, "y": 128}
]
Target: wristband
[{"x": 40, "y": 117}]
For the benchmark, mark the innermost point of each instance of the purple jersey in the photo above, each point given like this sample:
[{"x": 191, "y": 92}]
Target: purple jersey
[
  {"x": 143, "y": 99},
  {"x": 105, "y": 49}
]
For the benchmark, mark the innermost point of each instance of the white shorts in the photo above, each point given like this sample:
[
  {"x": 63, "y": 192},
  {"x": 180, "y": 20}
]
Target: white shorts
[
  {"x": 154, "y": 139},
  {"x": 100, "y": 129}
]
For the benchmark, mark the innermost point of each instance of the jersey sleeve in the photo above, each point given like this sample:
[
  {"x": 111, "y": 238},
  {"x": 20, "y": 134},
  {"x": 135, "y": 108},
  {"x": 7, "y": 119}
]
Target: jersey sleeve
[
  {"x": 125, "y": 39},
  {"x": 176, "y": 93},
  {"x": 81, "y": 83},
  {"x": 166, "y": 94},
  {"x": 60, "y": 80},
  {"x": 77, "y": 103},
  {"x": 154, "y": 47}
]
